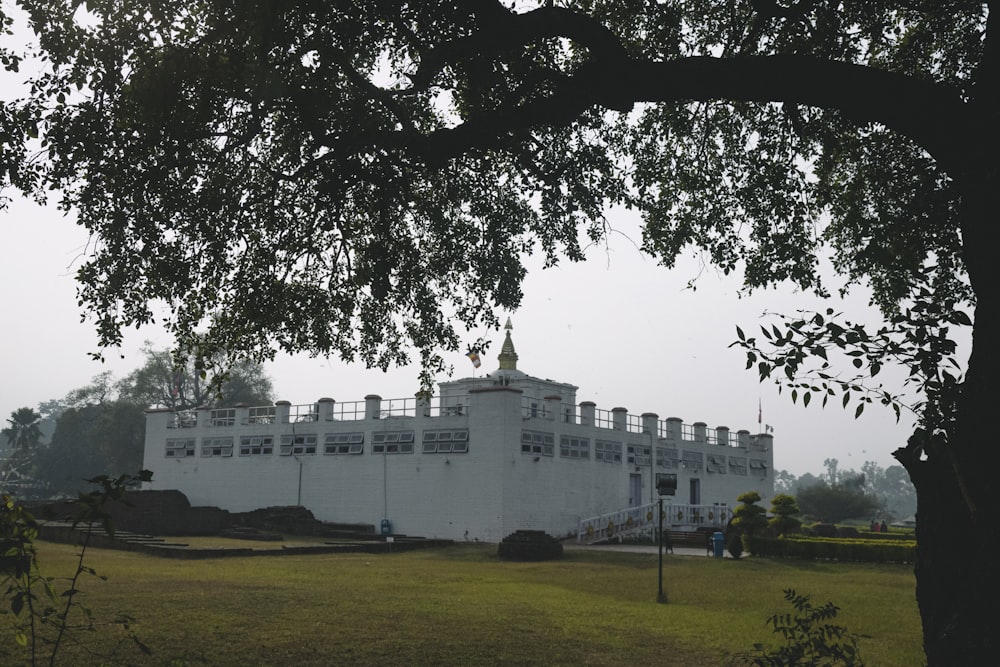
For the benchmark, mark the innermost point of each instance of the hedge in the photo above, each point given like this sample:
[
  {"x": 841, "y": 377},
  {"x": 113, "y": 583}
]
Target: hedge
[{"x": 858, "y": 550}]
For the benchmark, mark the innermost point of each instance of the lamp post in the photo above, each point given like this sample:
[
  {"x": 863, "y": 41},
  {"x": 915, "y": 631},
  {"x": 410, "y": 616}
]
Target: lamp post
[
  {"x": 666, "y": 485},
  {"x": 661, "y": 596}
]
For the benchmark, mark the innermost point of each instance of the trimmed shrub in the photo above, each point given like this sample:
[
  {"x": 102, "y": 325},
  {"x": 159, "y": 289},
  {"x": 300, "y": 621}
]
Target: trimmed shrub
[
  {"x": 735, "y": 545},
  {"x": 824, "y": 530},
  {"x": 529, "y": 545},
  {"x": 864, "y": 551}
]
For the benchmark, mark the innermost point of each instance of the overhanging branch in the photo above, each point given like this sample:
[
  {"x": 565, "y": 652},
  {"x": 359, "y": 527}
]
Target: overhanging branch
[{"x": 932, "y": 115}]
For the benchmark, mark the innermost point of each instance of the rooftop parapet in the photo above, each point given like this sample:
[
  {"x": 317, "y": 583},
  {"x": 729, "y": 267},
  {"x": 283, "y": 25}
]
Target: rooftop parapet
[{"x": 671, "y": 429}]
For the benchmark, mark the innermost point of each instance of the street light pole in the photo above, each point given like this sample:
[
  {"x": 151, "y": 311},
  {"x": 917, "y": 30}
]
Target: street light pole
[
  {"x": 666, "y": 485},
  {"x": 661, "y": 597}
]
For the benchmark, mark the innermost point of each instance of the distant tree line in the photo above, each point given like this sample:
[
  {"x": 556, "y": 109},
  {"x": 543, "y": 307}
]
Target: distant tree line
[
  {"x": 100, "y": 428},
  {"x": 837, "y": 495}
]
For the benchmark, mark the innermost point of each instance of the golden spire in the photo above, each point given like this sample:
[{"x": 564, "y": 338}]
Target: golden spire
[{"x": 508, "y": 357}]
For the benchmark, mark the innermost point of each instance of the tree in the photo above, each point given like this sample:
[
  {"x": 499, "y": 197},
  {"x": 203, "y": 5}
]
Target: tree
[
  {"x": 784, "y": 508},
  {"x": 74, "y": 455},
  {"x": 784, "y": 482},
  {"x": 832, "y": 503},
  {"x": 24, "y": 436},
  {"x": 89, "y": 441},
  {"x": 749, "y": 518},
  {"x": 358, "y": 180},
  {"x": 160, "y": 382},
  {"x": 22, "y": 431},
  {"x": 892, "y": 488}
]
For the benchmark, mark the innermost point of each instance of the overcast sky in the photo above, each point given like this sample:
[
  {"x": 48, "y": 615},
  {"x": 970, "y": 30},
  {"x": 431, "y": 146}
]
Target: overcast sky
[{"x": 625, "y": 331}]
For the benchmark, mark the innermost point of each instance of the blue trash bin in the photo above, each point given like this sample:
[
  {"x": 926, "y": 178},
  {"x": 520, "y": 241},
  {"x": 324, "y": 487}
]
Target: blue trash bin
[
  {"x": 718, "y": 544},
  {"x": 386, "y": 528}
]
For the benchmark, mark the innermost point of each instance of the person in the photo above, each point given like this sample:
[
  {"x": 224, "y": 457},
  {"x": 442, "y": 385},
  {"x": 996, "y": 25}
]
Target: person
[
  {"x": 874, "y": 526},
  {"x": 884, "y": 528}
]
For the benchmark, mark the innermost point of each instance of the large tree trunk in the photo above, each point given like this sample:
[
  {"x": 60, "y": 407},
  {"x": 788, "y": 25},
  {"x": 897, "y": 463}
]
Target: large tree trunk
[{"x": 958, "y": 541}]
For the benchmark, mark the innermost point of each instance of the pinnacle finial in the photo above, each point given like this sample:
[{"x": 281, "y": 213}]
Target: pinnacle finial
[{"x": 508, "y": 357}]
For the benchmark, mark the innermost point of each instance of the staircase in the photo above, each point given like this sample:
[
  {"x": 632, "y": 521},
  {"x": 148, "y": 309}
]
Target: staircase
[{"x": 642, "y": 520}]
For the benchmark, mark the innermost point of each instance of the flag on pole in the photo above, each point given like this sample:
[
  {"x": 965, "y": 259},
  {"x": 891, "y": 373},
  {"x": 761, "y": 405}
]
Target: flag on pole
[
  {"x": 474, "y": 358},
  {"x": 760, "y": 412}
]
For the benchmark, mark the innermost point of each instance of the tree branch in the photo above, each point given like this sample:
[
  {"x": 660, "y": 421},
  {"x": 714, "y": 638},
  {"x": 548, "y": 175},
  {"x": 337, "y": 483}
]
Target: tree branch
[
  {"x": 932, "y": 115},
  {"x": 516, "y": 30}
]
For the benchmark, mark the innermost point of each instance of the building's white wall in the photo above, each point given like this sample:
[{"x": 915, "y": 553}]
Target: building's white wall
[{"x": 484, "y": 494}]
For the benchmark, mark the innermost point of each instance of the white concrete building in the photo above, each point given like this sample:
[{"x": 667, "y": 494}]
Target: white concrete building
[{"x": 488, "y": 456}]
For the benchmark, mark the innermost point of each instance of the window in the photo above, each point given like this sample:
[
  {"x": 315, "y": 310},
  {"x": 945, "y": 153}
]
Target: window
[
  {"x": 298, "y": 445},
  {"x": 667, "y": 457},
  {"x": 607, "y": 451},
  {"x": 392, "y": 442},
  {"x": 262, "y": 415},
  {"x": 257, "y": 445},
  {"x": 216, "y": 447},
  {"x": 536, "y": 442},
  {"x": 639, "y": 455},
  {"x": 758, "y": 467},
  {"x": 454, "y": 441},
  {"x": 716, "y": 463},
  {"x": 179, "y": 448},
  {"x": 574, "y": 448},
  {"x": 186, "y": 419},
  {"x": 223, "y": 417},
  {"x": 693, "y": 460},
  {"x": 737, "y": 465},
  {"x": 344, "y": 443}
]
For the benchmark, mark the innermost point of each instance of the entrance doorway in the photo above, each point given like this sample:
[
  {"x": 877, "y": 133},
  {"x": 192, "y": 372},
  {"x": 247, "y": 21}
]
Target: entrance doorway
[
  {"x": 695, "y": 492},
  {"x": 634, "y": 490}
]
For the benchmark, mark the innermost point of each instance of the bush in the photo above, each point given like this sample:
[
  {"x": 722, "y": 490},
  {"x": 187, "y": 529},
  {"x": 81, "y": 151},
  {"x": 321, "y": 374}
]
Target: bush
[
  {"x": 824, "y": 530},
  {"x": 735, "y": 545},
  {"x": 809, "y": 638},
  {"x": 529, "y": 545},
  {"x": 860, "y": 550}
]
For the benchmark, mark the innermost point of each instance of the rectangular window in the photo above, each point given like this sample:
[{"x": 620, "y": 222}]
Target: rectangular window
[
  {"x": 344, "y": 443},
  {"x": 693, "y": 460},
  {"x": 179, "y": 448},
  {"x": 737, "y": 465},
  {"x": 257, "y": 445},
  {"x": 392, "y": 442},
  {"x": 262, "y": 415},
  {"x": 574, "y": 448},
  {"x": 454, "y": 441},
  {"x": 216, "y": 447},
  {"x": 758, "y": 466},
  {"x": 536, "y": 442},
  {"x": 607, "y": 451},
  {"x": 298, "y": 445},
  {"x": 222, "y": 417},
  {"x": 639, "y": 455},
  {"x": 716, "y": 463},
  {"x": 667, "y": 457},
  {"x": 185, "y": 419}
]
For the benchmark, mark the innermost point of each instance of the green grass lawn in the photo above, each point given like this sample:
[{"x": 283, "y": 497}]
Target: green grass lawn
[{"x": 461, "y": 606}]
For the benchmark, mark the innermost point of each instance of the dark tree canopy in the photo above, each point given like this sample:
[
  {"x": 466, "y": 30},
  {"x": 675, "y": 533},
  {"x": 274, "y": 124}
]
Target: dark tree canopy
[
  {"x": 833, "y": 503},
  {"x": 360, "y": 179}
]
